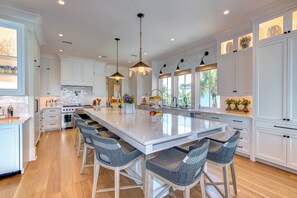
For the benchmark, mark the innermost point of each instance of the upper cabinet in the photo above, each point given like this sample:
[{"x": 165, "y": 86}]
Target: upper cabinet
[
  {"x": 12, "y": 78},
  {"x": 276, "y": 26},
  {"x": 76, "y": 71},
  {"x": 235, "y": 63}
]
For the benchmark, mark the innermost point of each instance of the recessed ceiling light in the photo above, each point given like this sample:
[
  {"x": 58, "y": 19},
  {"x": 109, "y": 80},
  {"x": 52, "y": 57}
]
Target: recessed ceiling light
[
  {"x": 61, "y": 2},
  {"x": 172, "y": 39},
  {"x": 60, "y": 35},
  {"x": 145, "y": 53},
  {"x": 226, "y": 12},
  {"x": 129, "y": 61},
  {"x": 61, "y": 50}
]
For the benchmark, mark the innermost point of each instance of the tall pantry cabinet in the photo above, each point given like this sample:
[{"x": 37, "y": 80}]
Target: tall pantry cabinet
[{"x": 275, "y": 96}]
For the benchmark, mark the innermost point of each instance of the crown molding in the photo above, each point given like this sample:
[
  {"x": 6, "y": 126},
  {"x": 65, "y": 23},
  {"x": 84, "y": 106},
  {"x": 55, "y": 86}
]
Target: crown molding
[
  {"x": 246, "y": 27},
  {"x": 20, "y": 14},
  {"x": 276, "y": 7}
]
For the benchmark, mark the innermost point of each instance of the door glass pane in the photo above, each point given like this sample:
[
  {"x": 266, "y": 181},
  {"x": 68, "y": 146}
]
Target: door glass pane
[
  {"x": 245, "y": 41},
  {"x": 227, "y": 47},
  {"x": 8, "y": 58},
  {"x": 166, "y": 90},
  {"x": 294, "y": 20},
  {"x": 184, "y": 90},
  {"x": 271, "y": 28}
]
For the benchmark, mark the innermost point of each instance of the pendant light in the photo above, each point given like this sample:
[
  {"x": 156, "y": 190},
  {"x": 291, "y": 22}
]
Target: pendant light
[
  {"x": 117, "y": 76},
  {"x": 140, "y": 67}
]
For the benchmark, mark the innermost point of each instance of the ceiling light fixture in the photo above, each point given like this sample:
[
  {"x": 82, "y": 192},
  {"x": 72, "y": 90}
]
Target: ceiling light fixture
[
  {"x": 61, "y": 2},
  {"x": 99, "y": 56},
  {"x": 140, "y": 67},
  {"x": 172, "y": 39},
  {"x": 202, "y": 62},
  {"x": 226, "y": 12},
  {"x": 160, "y": 73},
  {"x": 145, "y": 53},
  {"x": 177, "y": 67},
  {"x": 117, "y": 76},
  {"x": 61, "y": 50},
  {"x": 129, "y": 61},
  {"x": 60, "y": 35}
]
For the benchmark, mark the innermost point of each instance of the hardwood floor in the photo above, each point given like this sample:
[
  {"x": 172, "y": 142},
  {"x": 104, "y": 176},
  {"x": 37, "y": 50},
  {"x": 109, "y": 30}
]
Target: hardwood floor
[{"x": 55, "y": 173}]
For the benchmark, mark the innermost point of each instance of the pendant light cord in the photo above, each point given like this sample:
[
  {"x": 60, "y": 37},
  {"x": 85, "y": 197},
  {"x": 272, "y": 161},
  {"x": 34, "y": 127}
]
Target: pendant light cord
[
  {"x": 117, "y": 55},
  {"x": 140, "y": 51}
]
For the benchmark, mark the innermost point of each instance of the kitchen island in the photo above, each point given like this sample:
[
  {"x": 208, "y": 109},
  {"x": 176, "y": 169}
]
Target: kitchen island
[{"x": 150, "y": 135}]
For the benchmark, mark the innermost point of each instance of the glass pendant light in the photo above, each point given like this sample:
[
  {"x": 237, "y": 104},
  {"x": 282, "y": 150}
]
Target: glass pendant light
[
  {"x": 140, "y": 67},
  {"x": 117, "y": 76}
]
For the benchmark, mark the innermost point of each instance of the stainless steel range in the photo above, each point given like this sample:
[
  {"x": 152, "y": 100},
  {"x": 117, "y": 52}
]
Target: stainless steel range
[{"x": 67, "y": 115}]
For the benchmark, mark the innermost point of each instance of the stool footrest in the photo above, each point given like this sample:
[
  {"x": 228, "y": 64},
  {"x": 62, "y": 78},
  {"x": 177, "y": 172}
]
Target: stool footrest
[{"x": 121, "y": 188}]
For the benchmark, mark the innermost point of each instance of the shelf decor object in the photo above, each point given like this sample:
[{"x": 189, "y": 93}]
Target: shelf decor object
[
  {"x": 140, "y": 67},
  {"x": 229, "y": 102},
  {"x": 155, "y": 104},
  {"x": 202, "y": 61},
  {"x": 117, "y": 76},
  {"x": 245, "y": 103},
  {"x": 245, "y": 42},
  {"x": 129, "y": 104}
]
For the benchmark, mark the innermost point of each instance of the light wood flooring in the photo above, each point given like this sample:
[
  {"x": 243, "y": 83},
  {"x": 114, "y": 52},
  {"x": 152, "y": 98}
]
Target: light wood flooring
[{"x": 55, "y": 173}]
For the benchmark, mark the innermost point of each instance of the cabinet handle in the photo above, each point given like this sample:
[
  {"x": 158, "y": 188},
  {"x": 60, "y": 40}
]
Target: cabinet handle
[
  {"x": 48, "y": 68},
  {"x": 284, "y": 119},
  {"x": 52, "y": 124},
  {"x": 240, "y": 138},
  {"x": 52, "y": 111},
  {"x": 53, "y": 116},
  {"x": 239, "y": 147},
  {"x": 237, "y": 129},
  {"x": 284, "y": 136},
  {"x": 288, "y": 119},
  {"x": 289, "y": 31},
  {"x": 216, "y": 118},
  {"x": 38, "y": 66},
  {"x": 237, "y": 121},
  {"x": 281, "y": 127},
  {"x": 288, "y": 136},
  {"x": 35, "y": 61},
  {"x": 285, "y": 32}
]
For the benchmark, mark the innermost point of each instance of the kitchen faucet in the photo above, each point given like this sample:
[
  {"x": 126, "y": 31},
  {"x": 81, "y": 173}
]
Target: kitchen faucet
[
  {"x": 174, "y": 101},
  {"x": 186, "y": 102}
]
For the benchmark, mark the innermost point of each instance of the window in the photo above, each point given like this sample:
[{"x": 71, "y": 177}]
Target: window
[
  {"x": 184, "y": 87},
  {"x": 208, "y": 89},
  {"x": 165, "y": 84}
]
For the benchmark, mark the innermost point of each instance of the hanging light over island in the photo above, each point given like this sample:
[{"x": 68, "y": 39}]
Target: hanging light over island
[
  {"x": 140, "y": 67},
  {"x": 117, "y": 76}
]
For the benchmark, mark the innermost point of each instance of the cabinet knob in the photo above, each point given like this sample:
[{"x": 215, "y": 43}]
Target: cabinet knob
[
  {"x": 234, "y": 91},
  {"x": 284, "y": 136},
  {"x": 284, "y": 119},
  {"x": 285, "y": 32},
  {"x": 289, "y": 31},
  {"x": 288, "y": 119},
  {"x": 35, "y": 61},
  {"x": 288, "y": 136}
]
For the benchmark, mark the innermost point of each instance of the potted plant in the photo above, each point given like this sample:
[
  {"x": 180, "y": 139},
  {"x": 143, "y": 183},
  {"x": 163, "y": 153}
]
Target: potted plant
[
  {"x": 229, "y": 102},
  {"x": 245, "y": 103},
  {"x": 129, "y": 106},
  {"x": 245, "y": 41},
  {"x": 236, "y": 104}
]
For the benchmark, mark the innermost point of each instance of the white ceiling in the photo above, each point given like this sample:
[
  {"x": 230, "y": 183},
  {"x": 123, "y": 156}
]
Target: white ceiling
[{"x": 92, "y": 25}]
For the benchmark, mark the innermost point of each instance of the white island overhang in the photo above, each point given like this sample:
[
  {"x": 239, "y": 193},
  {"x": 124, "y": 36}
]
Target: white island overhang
[{"x": 152, "y": 135}]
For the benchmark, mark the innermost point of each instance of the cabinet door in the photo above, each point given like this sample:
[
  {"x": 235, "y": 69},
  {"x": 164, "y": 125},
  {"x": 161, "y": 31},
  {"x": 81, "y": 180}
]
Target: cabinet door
[
  {"x": 271, "y": 146},
  {"x": 88, "y": 74},
  {"x": 226, "y": 75},
  {"x": 54, "y": 78},
  {"x": 77, "y": 72},
  {"x": 292, "y": 151},
  {"x": 10, "y": 148},
  {"x": 99, "y": 80},
  {"x": 271, "y": 61},
  {"x": 292, "y": 79},
  {"x": 244, "y": 74},
  {"x": 66, "y": 67}
]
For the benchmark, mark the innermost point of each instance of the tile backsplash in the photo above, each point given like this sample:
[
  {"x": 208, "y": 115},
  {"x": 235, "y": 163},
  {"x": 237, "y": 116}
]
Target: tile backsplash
[
  {"x": 75, "y": 95},
  {"x": 20, "y": 104}
]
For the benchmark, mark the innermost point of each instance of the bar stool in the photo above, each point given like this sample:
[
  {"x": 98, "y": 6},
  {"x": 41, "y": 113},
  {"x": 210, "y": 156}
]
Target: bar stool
[
  {"x": 221, "y": 153},
  {"x": 178, "y": 168},
  {"x": 75, "y": 116},
  {"x": 115, "y": 155}
]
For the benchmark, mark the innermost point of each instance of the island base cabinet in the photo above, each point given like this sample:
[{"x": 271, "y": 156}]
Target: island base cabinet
[
  {"x": 271, "y": 146},
  {"x": 10, "y": 149},
  {"x": 292, "y": 151}
]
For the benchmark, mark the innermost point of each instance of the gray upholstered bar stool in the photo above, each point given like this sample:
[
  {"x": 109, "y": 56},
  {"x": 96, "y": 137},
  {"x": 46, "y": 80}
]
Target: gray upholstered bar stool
[
  {"x": 178, "y": 168},
  {"x": 221, "y": 153},
  {"x": 115, "y": 155}
]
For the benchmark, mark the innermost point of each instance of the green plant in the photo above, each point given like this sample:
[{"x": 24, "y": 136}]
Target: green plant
[
  {"x": 237, "y": 102},
  {"x": 229, "y": 101},
  {"x": 245, "y": 102}
]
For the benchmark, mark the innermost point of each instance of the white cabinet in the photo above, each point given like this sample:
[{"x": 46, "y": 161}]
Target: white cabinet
[
  {"x": 235, "y": 63},
  {"x": 276, "y": 81},
  {"x": 276, "y": 143},
  {"x": 10, "y": 148},
  {"x": 76, "y": 71},
  {"x": 99, "y": 80},
  {"x": 50, "y": 76},
  {"x": 50, "y": 119}
]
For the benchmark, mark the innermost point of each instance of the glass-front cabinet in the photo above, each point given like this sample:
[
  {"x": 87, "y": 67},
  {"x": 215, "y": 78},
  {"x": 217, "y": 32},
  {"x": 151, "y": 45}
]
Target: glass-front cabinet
[
  {"x": 11, "y": 58},
  {"x": 242, "y": 42},
  {"x": 278, "y": 25}
]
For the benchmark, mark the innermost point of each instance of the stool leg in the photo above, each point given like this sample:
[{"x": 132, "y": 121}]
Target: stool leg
[
  {"x": 226, "y": 181},
  {"x": 143, "y": 174},
  {"x": 116, "y": 183},
  {"x": 233, "y": 178},
  {"x": 202, "y": 186},
  {"x": 78, "y": 144},
  {"x": 84, "y": 159},
  {"x": 148, "y": 185},
  {"x": 96, "y": 175},
  {"x": 187, "y": 192},
  {"x": 76, "y": 132}
]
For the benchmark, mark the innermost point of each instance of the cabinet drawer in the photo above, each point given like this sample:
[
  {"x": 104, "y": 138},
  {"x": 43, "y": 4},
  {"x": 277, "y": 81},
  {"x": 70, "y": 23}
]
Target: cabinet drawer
[
  {"x": 239, "y": 121},
  {"x": 276, "y": 126},
  {"x": 51, "y": 111},
  {"x": 243, "y": 147},
  {"x": 214, "y": 117},
  {"x": 52, "y": 117},
  {"x": 238, "y": 128},
  {"x": 51, "y": 125}
]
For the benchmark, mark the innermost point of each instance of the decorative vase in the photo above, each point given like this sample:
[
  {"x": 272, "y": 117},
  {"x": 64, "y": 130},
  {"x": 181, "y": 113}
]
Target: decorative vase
[
  {"x": 245, "y": 109},
  {"x": 228, "y": 107},
  {"x": 236, "y": 107},
  {"x": 129, "y": 108}
]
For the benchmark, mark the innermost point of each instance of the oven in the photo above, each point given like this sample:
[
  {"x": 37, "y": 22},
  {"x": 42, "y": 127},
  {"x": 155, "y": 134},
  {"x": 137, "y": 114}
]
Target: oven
[{"x": 67, "y": 120}]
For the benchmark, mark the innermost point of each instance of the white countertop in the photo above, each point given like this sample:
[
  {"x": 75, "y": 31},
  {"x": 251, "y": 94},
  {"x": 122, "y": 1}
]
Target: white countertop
[
  {"x": 55, "y": 107},
  {"x": 20, "y": 120},
  {"x": 144, "y": 130}
]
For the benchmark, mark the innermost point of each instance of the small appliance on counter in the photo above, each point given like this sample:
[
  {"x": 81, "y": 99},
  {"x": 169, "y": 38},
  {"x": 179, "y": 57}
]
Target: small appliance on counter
[{"x": 10, "y": 111}]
